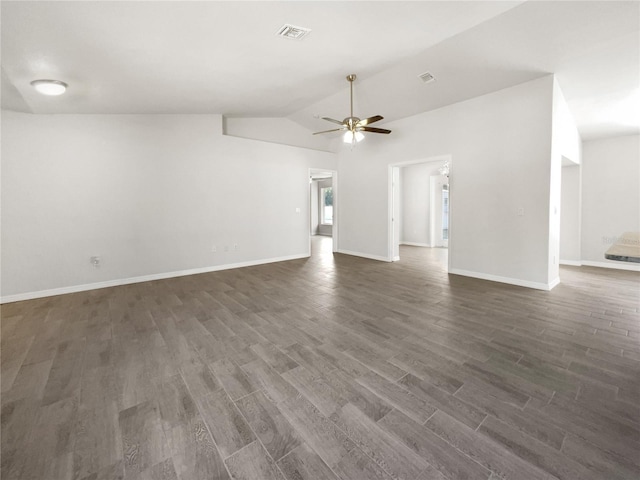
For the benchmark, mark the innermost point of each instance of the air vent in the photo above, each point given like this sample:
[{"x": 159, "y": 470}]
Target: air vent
[
  {"x": 291, "y": 31},
  {"x": 426, "y": 77}
]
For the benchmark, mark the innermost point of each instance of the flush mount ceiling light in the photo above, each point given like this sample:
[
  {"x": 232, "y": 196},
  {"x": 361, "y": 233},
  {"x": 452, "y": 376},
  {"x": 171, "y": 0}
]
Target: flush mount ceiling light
[
  {"x": 49, "y": 87},
  {"x": 352, "y": 136}
]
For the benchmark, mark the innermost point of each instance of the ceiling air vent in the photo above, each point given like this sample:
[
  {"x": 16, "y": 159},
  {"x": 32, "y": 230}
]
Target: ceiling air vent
[
  {"x": 291, "y": 31},
  {"x": 426, "y": 77}
]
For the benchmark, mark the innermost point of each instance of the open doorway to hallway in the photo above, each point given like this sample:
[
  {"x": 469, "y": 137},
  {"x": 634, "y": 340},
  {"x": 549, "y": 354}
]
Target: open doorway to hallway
[
  {"x": 323, "y": 206},
  {"x": 420, "y": 206},
  {"x": 321, "y": 246}
]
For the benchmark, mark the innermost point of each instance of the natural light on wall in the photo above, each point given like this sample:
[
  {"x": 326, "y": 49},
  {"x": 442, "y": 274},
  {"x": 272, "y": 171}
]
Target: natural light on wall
[{"x": 625, "y": 111}]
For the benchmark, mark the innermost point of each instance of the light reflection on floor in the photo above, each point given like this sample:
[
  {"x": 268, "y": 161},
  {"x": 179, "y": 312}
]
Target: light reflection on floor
[{"x": 322, "y": 250}]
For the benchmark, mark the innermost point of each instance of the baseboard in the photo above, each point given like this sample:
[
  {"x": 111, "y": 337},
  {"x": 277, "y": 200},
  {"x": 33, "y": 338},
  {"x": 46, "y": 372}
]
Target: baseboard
[
  {"x": 634, "y": 267},
  {"x": 511, "y": 281},
  {"x": 415, "y": 244},
  {"x": 573, "y": 263},
  {"x": 396, "y": 258},
  {"x": 145, "y": 278},
  {"x": 364, "y": 255},
  {"x": 554, "y": 283}
]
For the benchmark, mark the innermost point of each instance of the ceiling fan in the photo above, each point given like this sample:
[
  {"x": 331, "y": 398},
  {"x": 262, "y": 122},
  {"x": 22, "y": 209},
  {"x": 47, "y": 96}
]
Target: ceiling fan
[{"x": 353, "y": 126}]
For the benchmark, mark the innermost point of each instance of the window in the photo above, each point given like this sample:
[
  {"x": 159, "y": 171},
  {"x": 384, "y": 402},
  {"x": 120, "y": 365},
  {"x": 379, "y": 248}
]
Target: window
[{"x": 326, "y": 206}]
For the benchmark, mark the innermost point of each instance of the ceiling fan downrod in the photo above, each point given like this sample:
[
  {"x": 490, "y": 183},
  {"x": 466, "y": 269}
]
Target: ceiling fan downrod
[{"x": 351, "y": 78}]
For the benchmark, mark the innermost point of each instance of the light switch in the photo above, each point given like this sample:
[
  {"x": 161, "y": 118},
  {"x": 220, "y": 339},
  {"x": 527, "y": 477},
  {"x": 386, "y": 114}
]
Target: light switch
[{"x": 297, "y": 209}]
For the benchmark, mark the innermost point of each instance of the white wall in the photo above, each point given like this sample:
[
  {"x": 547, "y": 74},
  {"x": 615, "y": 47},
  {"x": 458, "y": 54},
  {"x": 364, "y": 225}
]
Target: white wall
[
  {"x": 416, "y": 203},
  {"x": 500, "y": 145},
  {"x": 565, "y": 133},
  {"x": 276, "y": 130},
  {"x": 150, "y": 194},
  {"x": 610, "y": 196},
  {"x": 570, "y": 216},
  {"x": 566, "y": 148}
]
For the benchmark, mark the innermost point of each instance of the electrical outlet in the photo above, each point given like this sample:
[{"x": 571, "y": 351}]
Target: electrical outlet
[
  {"x": 226, "y": 248},
  {"x": 520, "y": 212},
  {"x": 235, "y": 246},
  {"x": 95, "y": 261},
  {"x": 214, "y": 249}
]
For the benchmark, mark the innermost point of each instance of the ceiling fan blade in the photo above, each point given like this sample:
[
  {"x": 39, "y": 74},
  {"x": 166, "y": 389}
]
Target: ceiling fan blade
[
  {"x": 332, "y": 120},
  {"x": 374, "y": 130},
  {"x": 327, "y": 131},
  {"x": 367, "y": 121}
]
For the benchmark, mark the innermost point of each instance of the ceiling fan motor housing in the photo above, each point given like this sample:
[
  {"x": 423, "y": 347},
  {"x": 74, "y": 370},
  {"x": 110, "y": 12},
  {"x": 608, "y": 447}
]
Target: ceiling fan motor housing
[{"x": 351, "y": 122}]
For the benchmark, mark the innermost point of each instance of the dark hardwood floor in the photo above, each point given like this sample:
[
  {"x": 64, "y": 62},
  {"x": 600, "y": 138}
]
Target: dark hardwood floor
[{"x": 325, "y": 368}]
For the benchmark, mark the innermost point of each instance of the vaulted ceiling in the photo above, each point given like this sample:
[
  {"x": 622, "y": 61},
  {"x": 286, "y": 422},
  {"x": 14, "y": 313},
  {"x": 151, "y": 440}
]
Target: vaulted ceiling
[{"x": 224, "y": 57}]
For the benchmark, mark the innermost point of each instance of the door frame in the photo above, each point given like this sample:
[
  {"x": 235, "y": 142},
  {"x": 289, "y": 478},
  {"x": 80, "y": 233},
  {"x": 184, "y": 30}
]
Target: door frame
[{"x": 390, "y": 196}]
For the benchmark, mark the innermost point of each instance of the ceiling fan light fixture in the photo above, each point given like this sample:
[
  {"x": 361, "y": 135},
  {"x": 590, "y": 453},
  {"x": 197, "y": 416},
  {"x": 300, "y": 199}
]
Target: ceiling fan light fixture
[
  {"x": 352, "y": 136},
  {"x": 49, "y": 87}
]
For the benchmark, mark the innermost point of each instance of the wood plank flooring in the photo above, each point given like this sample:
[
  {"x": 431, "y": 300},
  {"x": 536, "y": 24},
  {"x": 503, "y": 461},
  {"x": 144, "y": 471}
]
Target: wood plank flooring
[{"x": 332, "y": 367}]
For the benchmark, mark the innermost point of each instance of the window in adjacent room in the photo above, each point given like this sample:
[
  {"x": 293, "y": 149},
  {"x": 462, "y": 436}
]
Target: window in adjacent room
[{"x": 326, "y": 206}]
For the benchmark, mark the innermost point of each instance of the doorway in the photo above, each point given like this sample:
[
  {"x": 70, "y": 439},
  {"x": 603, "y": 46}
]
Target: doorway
[
  {"x": 438, "y": 211},
  {"x": 323, "y": 205},
  {"x": 420, "y": 206}
]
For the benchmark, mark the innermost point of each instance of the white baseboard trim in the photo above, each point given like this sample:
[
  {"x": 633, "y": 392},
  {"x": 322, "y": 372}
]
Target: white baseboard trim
[
  {"x": 365, "y": 255},
  {"x": 145, "y": 278},
  {"x": 635, "y": 267},
  {"x": 396, "y": 258},
  {"x": 573, "y": 263},
  {"x": 415, "y": 244},
  {"x": 511, "y": 281}
]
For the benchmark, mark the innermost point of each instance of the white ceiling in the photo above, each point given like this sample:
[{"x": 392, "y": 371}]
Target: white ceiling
[{"x": 224, "y": 57}]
